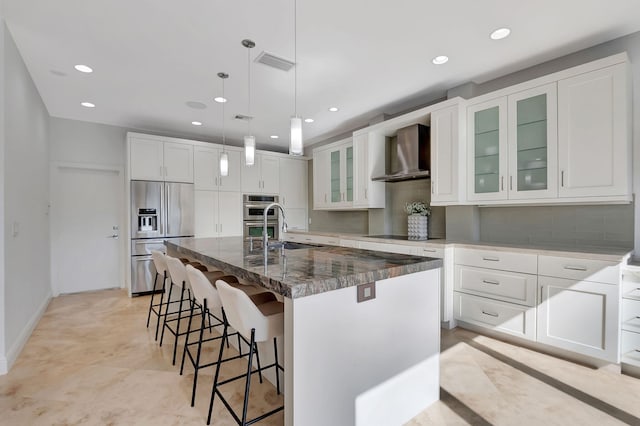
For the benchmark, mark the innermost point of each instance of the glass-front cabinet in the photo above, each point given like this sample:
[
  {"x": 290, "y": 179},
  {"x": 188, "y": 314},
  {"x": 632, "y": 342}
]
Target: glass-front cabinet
[
  {"x": 342, "y": 175},
  {"x": 487, "y": 140},
  {"x": 333, "y": 176},
  {"x": 513, "y": 146},
  {"x": 533, "y": 143}
]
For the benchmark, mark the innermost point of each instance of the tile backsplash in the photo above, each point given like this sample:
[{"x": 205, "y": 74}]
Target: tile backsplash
[{"x": 577, "y": 226}]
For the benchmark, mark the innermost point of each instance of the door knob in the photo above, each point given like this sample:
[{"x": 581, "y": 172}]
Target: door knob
[{"x": 114, "y": 236}]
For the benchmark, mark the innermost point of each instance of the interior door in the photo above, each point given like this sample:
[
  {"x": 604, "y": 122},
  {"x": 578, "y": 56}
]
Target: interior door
[{"x": 86, "y": 219}]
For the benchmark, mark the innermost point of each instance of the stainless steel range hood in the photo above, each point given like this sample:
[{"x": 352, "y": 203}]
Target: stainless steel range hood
[{"x": 410, "y": 158}]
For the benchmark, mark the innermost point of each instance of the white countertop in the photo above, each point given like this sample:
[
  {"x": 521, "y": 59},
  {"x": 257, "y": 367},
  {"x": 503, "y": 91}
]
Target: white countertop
[{"x": 597, "y": 253}]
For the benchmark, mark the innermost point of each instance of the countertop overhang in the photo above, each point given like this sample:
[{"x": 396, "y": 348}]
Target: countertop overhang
[{"x": 300, "y": 272}]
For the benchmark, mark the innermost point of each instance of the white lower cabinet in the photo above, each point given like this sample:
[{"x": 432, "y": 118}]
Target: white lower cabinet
[
  {"x": 502, "y": 285},
  {"x": 630, "y": 320},
  {"x": 579, "y": 316},
  {"x": 499, "y": 316}
]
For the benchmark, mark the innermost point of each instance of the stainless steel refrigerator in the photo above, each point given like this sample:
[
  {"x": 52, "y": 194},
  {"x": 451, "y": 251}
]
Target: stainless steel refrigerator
[{"x": 159, "y": 211}]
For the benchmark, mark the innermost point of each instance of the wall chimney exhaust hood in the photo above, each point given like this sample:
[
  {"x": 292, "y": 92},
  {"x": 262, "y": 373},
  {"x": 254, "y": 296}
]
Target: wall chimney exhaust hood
[{"x": 410, "y": 157}]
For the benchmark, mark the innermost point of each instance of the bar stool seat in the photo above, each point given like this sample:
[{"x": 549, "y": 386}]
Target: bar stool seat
[
  {"x": 254, "y": 324},
  {"x": 207, "y": 297}
]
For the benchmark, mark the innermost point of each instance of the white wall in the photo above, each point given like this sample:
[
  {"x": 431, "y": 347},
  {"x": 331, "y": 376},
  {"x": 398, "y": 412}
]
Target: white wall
[
  {"x": 3, "y": 359},
  {"x": 26, "y": 224},
  {"x": 90, "y": 143}
]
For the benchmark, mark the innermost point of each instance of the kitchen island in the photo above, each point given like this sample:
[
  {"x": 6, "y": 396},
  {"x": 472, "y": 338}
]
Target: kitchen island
[{"x": 373, "y": 362}]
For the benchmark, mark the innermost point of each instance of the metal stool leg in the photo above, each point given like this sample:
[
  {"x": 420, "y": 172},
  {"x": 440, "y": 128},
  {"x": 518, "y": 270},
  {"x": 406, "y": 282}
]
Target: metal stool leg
[
  {"x": 153, "y": 293},
  {"x": 166, "y": 311},
  {"x": 162, "y": 303}
]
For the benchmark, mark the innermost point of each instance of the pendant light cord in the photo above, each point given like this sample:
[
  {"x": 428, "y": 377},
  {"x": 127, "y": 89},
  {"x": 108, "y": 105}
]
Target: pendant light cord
[
  {"x": 223, "y": 102},
  {"x": 295, "y": 57},
  {"x": 249, "y": 85}
]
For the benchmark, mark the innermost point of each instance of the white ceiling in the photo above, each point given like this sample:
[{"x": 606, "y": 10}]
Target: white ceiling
[{"x": 151, "y": 57}]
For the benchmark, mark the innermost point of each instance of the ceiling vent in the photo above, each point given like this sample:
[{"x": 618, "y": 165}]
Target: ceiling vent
[
  {"x": 243, "y": 117},
  {"x": 274, "y": 61}
]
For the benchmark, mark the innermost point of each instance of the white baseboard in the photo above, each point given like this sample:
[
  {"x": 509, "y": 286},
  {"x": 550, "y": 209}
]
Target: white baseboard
[{"x": 16, "y": 348}]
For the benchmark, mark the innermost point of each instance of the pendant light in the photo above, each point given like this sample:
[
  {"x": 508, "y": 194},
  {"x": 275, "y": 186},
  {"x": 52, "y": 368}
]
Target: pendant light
[
  {"x": 249, "y": 140},
  {"x": 295, "y": 142},
  {"x": 224, "y": 157}
]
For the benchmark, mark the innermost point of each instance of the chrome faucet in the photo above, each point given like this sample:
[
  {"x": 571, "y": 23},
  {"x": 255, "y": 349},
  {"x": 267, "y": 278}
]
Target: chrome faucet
[{"x": 265, "y": 234}]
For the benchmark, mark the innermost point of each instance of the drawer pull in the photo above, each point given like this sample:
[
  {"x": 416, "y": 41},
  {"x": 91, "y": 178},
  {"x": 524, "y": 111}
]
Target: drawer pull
[
  {"x": 575, "y": 268},
  {"x": 433, "y": 251},
  {"x": 490, "y": 314},
  {"x": 491, "y": 282},
  {"x": 491, "y": 259}
]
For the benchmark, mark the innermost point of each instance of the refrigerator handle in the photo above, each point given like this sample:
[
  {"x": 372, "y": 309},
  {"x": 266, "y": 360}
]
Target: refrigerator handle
[{"x": 167, "y": 204}]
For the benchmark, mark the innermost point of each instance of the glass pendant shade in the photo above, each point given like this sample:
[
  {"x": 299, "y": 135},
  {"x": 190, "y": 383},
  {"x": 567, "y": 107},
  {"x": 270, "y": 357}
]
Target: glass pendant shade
[
  {"x": 224, "y": 164},
  {"x": 295, "y": 143},
  {"x": 249, "y": 150}
]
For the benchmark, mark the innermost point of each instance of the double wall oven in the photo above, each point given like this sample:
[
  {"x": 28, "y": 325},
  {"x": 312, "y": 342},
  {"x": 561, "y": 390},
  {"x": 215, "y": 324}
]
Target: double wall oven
[{"x": 253, "y": 215}]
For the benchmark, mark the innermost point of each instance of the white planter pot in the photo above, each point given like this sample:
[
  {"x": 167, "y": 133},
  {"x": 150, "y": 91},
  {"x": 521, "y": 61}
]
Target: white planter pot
[{"x": 417, "y": 227}]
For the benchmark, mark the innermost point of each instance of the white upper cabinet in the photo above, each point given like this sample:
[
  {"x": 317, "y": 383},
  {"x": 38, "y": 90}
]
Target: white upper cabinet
[
  {"x": 594, "y": 134},
  {"x": 333, "y": 176},
  {"x": 207, "y": 169},
  {"x": 146, "y": 158},
  {"x": 368, "y": 161},
  {"x": 532, "y": 143},
  {"x": 293, "y": 191},
  {"x": 487, "y": 147},
  {"x": 446, "y": 175},
  {"x": 263, "y": 177},
  {"x": 153, "y": 158}
]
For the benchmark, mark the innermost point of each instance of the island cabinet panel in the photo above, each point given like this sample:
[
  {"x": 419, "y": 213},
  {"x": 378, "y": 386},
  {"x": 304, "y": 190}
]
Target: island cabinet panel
[
  {"x": 371, "y": 383},
  {"x": 579, "y": 316},
  {"x": 594, "y": 133}
]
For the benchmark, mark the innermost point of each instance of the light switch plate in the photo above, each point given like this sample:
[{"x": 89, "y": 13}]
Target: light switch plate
[{"x": 366, "y": 292}]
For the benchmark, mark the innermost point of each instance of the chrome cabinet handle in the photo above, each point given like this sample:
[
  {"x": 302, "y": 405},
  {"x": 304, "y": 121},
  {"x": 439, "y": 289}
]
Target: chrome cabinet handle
[
  {"x": 562, "y": 178},
  {"x": 114, "y": 236},
  {"x": 325, "y": 198},
  {"x": 430, "y": 250},
  {"x": 491, "y": 259},
  {"x": 365, "y": 193},
  {"x": 491, "y": 282},
  {"x": 432, "y": 188},
  {"x": 501, "y": 183},
  {"x": 510, "y": 183},
  {"x": 575, "y": 268},
  {"x": 490, "y": 314}
]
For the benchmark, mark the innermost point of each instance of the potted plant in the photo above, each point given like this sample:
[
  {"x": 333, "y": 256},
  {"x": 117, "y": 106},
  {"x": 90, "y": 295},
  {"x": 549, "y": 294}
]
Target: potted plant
[{"x": 417, "y": 222}]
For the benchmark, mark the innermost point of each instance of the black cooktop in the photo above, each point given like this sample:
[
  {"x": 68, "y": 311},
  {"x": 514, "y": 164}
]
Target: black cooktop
[{"x": 397, "y": 237}]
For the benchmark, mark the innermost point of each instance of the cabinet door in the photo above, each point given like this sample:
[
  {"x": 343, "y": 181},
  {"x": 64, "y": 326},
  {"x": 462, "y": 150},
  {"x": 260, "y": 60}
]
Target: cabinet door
[
  {"x": 444, "y": 155},
  {"x": 321, "y": 178},
  {"x": 361, "y": 170},
  {"x": 229, "y": 214},
  {"x": 206, "y": 169},
  {"x": 178, "y": 162},
  {"x": 533, "y": 143},
  {"x": 206, "y": 213},
  {"x": 146, "y": 159},
  {"x": 487, "y": 140},
  {"x": 593, "y": 134},
  {"x": 251, "y": 178},
  {"x": 336, "y": 167},
  {"x": 579, "y": 316},
  {"x": 270, "y": 174},
  {"x": 293, "y": 191},
  {"x": 231, "y": 182}
]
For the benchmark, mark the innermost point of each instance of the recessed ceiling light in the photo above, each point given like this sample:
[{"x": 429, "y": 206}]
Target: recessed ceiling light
[
  {"x": 274, "y": 136},
  {"x": 308, "y": 120},
  {"x": 83, "y": 68},
  {"x": 88, "y": 105},
  {"x": 439, "y": 60},
  {"x": 220, "y": 99},
  {"x": 500, "y": 33},
  {"x": 196, "y": 123},
  {"x": 333, "y": 109}
]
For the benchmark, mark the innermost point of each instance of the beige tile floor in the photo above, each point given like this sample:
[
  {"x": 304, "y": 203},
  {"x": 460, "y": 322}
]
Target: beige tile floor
[{"x": 91, "y": 361}]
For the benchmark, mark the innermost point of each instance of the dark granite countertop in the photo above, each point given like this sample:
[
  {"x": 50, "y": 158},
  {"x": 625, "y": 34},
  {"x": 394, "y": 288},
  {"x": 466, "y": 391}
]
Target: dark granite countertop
[{"x": 300, "y": 272}]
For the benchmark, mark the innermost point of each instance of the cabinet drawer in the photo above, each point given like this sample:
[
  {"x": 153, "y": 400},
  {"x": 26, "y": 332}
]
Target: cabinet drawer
[
  {"x": 507, "y": 286},
  {"x": 499, "y": 316},
  {"x": 631, "y": 290},
  {"x": 506, "y": 261},
  {"x": 630, "y": 348},
  {"x": 579, "y": 269},
  {"x": 631, "y": 315},
  {"x": 437, "y": 252}
]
